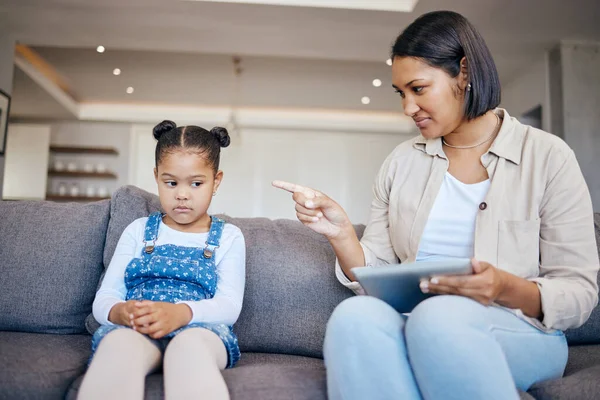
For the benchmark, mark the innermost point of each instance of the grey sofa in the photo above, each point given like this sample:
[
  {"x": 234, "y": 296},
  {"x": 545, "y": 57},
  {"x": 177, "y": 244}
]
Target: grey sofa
[{"x": 52, "y": 257}]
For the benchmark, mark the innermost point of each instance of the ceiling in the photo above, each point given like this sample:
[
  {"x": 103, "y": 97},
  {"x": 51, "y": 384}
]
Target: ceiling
[
  {"x": 179, "y": 52},
  {"x": 207, "y": 79}
]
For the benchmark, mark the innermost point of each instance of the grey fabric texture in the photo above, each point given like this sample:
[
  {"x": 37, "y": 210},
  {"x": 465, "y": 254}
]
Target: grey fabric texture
[
  {"x": 291, "y": 287},
  {"x": 40, "y": 366},
  {"x": 257, "y": 376},
  {"x": 582, "y": 357},
  {"x": 280, "y": 359},
  {"x": 154, "y": 388},
  {"x": 50, "y": 264},
  {"x": 276, "y": 382},
  {"x": 589, "y": 332},
  {"x": 582, "y": 385}
]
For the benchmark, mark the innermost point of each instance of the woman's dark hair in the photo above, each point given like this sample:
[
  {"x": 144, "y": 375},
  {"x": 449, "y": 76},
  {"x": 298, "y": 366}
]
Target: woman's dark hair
[
  {"x": 172, "y": 138},
  {"x": 442, "y": 39}
]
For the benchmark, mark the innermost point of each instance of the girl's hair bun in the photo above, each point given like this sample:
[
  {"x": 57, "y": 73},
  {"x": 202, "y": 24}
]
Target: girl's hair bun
[
  {"x": 221, "y": 135},
  {"x": 163, "y": 128}
]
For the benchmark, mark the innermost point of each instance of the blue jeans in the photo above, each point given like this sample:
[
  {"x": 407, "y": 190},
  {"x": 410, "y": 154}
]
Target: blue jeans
[{"x": 450, "y": 347}]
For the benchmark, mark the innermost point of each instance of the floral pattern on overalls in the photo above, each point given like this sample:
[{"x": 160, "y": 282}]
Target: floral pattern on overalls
[{"x": 172, "y": 273}]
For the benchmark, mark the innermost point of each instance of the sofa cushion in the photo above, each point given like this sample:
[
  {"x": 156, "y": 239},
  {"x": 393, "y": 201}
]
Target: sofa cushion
[
  {"x": 291, "y": 288},
  {"x": 589, "y": 332},
  {"x": 582, "y": 385},
  {"x": 266, "y": 381},
  {"x": 40, "y": 366},
  {"x": 582, "y": 357},
  {"x": 50, "y": 264},
  {"x": 258, "y": 377},
  {"x": 581, "y": 379}
]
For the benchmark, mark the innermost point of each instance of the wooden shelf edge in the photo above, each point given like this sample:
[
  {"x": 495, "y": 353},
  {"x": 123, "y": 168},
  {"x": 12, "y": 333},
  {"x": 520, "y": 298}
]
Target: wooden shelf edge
[
  {"x": 84, "y": 150},
  {"x": 82, "y": 174}
]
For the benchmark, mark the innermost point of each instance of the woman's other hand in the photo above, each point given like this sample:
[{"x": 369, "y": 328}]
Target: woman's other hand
[
  {"x": 485, "y": 285},
  {"x": 488, "y": 285}
]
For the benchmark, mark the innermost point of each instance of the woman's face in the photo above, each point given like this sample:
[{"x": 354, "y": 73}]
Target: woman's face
[{"x": 431, "y": 97}]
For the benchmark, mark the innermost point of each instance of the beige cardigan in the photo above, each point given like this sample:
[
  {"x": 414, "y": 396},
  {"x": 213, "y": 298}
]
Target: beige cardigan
[{"x": 537, "y": 222}]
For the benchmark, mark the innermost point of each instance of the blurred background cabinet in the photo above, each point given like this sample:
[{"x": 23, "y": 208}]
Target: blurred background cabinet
[
  {"x": 26, "y": 166},
  {"x": 75, "y": 168}
]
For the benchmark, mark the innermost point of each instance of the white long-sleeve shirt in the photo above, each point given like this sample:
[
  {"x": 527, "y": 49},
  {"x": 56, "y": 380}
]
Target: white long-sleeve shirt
[{"x": 230, "y": 261}]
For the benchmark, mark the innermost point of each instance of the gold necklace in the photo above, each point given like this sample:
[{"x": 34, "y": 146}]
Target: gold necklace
[{"x": 478, "y": 144}]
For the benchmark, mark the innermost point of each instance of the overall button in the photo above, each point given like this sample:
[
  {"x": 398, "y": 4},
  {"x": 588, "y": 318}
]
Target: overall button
[{"x": 483, "y": 206}]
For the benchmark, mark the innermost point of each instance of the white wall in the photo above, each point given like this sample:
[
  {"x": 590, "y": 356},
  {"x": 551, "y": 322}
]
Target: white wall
[
  {"x": 528, "y": 90},
  {"x": 26, "y": 162},
  {"x": 6, "y": 78},
  {"x": 342, "y": 165},
  {"x": 580, "y": 68}
]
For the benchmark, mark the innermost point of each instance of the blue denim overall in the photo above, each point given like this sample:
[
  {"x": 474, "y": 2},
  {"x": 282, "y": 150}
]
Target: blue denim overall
[{"x": 172, "y": 273}]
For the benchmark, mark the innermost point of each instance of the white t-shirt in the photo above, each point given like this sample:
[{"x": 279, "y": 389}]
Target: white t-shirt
[
  {"x": 230, "y": 261},
  {"x": 450, "y": 228}
]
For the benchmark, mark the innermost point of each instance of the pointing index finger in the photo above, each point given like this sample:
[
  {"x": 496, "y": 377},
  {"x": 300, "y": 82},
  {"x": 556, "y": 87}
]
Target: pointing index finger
[{"x": 294, "y": 188}]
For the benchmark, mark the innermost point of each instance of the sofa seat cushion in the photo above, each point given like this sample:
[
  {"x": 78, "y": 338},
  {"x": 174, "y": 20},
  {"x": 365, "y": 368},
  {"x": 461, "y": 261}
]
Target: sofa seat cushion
[
  {"x": 581, "y": 385},
  {"x": 275, "y": 377},
  {"x": 50, "y": 264},
  {"x": 582, "y": 357},
  {"x": 581, "y": 379},
  {"x": 40, "y": 366},
  {"x": 257, "y": 376}
]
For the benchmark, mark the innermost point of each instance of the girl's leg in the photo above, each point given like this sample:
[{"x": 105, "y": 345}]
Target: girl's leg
[
  {"x": 365, "y": 352},
  {"x": 460, "y": 349},
  {"x": 192, "y": 364},
  {"x": 119, "y": 367}
]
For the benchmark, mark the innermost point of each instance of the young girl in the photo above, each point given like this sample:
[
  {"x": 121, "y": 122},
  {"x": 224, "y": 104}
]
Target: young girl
[{"x": 175, "y": 284}]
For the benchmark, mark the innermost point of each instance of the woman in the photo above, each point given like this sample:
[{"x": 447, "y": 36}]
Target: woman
[{"x": 476, "y": 183}]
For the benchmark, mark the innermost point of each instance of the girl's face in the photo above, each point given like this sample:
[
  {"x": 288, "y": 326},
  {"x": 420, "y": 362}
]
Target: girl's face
[
  {"x": 186, "y": 183},
  {"x": 431, "y": 97}
]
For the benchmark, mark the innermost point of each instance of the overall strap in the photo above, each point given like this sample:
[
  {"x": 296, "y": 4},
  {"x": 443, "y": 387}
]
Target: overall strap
[
  {"x": 151, "y": 231},
  {"x": 214, "y": 236}
]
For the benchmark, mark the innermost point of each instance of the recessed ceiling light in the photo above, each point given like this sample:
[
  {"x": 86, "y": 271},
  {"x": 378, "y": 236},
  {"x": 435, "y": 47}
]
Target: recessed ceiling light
[
  {"x": 116, "y": 71},
  {"x": 100, "y": 49},
  {"x": 129, "y": 90},
  {"x": 365, "y": 100},
  {"x": 376, "y": 82},
  {"x": 389, "y": 62}
]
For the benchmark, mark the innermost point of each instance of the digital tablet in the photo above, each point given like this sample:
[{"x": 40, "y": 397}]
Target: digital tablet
[{"x": 398, "y": 284}]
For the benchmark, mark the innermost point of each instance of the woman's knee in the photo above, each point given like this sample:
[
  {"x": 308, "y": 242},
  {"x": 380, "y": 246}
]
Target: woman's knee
[
  {"x": 445, "y": 314},
  {"x": 359, "y": 317}
]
